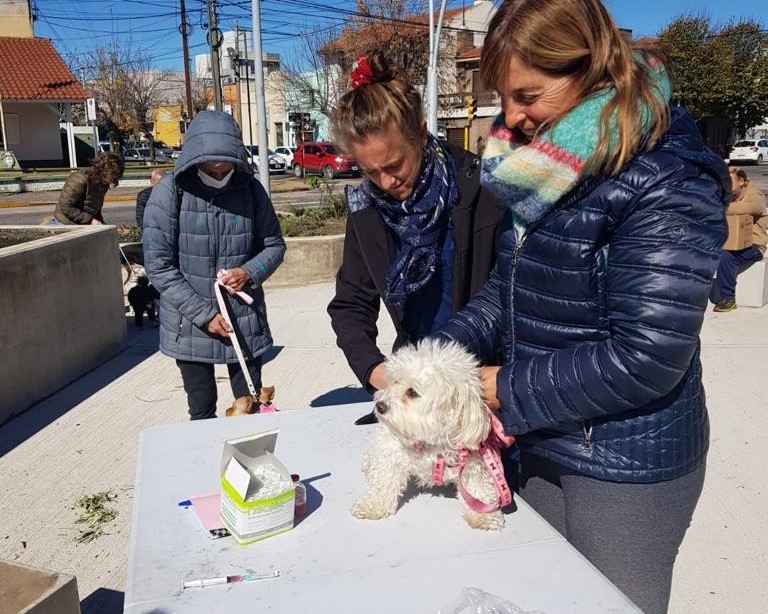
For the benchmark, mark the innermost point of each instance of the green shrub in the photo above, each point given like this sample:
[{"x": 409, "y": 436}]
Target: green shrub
[
  {"x": 307, "y": 222},
  {"x": 128, "y": 234}
]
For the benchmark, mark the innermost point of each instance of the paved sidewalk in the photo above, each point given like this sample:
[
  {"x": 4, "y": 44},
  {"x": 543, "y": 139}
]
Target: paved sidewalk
[{"x": 83, "y": 440}]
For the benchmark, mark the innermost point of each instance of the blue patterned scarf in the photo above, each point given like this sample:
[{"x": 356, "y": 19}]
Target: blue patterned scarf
[{"x": 418, "y": 223}]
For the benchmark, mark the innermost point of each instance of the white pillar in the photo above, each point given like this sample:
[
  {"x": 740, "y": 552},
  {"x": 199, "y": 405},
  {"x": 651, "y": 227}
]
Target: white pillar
[{"x": 70, "y": 135}]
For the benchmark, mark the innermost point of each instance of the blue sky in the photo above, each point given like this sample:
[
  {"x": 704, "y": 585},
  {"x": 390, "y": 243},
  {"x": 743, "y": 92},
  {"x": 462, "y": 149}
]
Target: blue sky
[
  {"x": 79, "y": 26},
  {"x": 647, "y": 17}
]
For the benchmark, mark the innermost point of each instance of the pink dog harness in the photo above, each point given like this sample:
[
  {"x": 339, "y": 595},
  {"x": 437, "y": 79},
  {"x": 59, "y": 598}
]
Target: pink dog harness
[{"x": 491, "y": 457}]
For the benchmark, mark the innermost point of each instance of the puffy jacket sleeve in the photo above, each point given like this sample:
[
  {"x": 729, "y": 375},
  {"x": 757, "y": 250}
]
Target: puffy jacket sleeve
[
  {"x": 72, "y": 199},
  {"x": 354, "y": 310},
  {"x": 477, "y": 327},
  {"x": 660, "y": 262},
  {"x": 161, "y": 255},
  {"x": 141, "y": 204},
  {"x": 270, "y": 238}
]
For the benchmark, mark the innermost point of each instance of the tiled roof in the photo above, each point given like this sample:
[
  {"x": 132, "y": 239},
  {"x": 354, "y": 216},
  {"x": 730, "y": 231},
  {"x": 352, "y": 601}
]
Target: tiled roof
[
  {"x": 646, "y": 42},
  {"x": 31, "y": 69},
  {"x": 382, "y": 31},
  {"x": 470, "y": 54}
]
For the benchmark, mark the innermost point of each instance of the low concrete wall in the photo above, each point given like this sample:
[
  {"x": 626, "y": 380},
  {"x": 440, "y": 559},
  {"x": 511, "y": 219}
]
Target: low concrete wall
[
  {"x": 308, "y": 260},
  {"x": 20, "y": 186},
  {"x": 61, "y": 311}
]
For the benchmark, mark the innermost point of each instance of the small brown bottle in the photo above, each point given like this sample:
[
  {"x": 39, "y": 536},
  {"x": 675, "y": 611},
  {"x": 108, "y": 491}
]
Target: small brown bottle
[{"x": 300, "y": 507}]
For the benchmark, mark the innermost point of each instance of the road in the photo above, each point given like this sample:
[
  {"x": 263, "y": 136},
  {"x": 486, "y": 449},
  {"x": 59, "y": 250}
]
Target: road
[{"x": 123, "y": 213}]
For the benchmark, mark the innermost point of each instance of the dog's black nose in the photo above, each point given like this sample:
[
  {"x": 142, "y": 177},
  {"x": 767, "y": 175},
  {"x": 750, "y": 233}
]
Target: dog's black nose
[{"x": 381, "y": 407}]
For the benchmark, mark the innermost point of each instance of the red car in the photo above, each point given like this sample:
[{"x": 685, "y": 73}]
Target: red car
[{"x": 321, "y": 157}]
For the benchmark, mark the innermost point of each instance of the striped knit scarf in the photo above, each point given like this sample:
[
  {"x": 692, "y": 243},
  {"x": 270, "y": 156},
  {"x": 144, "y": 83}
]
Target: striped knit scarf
[
  {"x": 418, "y": 223},
  {"x": 532, "y": 177}
]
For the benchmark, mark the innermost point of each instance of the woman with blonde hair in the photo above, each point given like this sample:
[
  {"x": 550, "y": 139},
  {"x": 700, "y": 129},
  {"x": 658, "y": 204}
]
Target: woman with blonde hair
[
  {"x": 82, "y": 197},
  {"x": 421, "y": 232},
  {"x": 613, "y": 232}
]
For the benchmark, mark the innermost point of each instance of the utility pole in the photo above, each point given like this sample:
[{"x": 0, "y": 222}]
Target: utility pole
[
  {"x": 261, "y": 105},
  {"x": 434, "y": 49},
  {"x": 185, "y": 47},
  {"x": 214, "y": 41},
  {"x": 236, "y": 63},
  {"x": 248, "y": 91}
]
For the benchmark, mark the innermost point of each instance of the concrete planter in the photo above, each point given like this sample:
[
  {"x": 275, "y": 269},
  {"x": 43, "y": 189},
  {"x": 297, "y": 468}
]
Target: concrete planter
[
  {"x": 61, "y": 310},
  {"x": 308, "y": 260}
]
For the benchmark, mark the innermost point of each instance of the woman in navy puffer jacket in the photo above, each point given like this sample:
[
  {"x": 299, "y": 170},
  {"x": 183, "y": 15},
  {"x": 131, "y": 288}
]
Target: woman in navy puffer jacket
[{"x": 614, "y": 224}]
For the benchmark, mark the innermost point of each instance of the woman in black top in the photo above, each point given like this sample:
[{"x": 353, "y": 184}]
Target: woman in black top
[{"x": 421, "y": 231}]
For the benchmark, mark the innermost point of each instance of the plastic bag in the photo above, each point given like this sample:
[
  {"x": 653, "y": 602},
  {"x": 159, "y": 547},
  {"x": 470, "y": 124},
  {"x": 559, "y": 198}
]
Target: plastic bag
[{"x": 477, "y": 601}]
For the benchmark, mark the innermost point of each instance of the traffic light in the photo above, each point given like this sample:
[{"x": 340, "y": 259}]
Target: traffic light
[{"x": 471, "y": 109}]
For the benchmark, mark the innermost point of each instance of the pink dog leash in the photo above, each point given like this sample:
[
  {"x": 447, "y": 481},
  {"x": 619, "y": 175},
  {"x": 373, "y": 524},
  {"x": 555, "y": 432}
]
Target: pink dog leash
[
  {"x": 217, "y": 286},
  {"x": 243, "y": 296},
  {"x": 491, "y": 457}
]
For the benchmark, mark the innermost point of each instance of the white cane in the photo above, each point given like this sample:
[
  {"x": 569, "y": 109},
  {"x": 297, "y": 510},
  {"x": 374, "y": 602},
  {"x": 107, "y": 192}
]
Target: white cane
[{"x": 217, "y": 285}]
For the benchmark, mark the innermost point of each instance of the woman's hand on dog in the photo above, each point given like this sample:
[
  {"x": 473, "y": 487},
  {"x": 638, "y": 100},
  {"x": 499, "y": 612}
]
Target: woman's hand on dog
[
  {"x": 235, "y": 279},
  {"x": 378, "y": 378},
  {"x": 218, "y": 326},
  {"x": 488, "y": 377}
]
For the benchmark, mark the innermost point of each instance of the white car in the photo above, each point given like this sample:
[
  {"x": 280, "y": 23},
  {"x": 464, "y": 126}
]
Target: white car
[
  {"x": 276, "y": 163},
  {"x": 287, "y": 154},
  {"x": 755, "y": 151}
]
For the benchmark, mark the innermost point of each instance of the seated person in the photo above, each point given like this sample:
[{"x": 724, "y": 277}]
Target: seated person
[{"x": 746, "y": 200}]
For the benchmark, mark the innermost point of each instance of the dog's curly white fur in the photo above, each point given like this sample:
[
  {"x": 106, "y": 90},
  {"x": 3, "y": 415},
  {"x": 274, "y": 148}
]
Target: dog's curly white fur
[{"x": 432, "y": 407}]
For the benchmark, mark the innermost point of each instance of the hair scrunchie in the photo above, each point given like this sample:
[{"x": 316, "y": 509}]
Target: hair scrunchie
[{"x": 361, "y": 74}]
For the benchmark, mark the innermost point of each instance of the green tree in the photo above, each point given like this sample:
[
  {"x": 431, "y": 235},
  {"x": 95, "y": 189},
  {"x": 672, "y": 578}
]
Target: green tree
[
  {"x": 320, "y": 70},
  {"x": 125, "y": 87},
  {"x": 718, "y": 71}
]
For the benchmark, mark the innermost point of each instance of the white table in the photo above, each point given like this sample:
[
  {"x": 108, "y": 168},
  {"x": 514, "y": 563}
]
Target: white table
[{"x": 414, "y": 562}]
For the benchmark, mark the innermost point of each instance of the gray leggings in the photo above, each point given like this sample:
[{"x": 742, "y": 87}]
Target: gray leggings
[{"x": 630, "y": 532}]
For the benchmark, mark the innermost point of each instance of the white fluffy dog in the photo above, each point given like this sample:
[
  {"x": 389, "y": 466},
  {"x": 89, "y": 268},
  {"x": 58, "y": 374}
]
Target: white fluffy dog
[{"x": 433, "y": 409}]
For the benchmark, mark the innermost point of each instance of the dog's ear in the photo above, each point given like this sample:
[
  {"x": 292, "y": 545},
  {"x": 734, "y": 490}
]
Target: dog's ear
[
  {"x": 471, "y": 415},
  {"x": 266, "y": 394}
]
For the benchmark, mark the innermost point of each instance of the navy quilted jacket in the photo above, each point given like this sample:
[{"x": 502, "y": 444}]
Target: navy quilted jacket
[
  {"x": 187, "y": 242},
  {"x": 597, "y": 311}
]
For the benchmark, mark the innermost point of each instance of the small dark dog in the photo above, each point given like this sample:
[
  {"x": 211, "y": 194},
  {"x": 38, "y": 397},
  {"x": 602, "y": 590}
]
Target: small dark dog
[{"x": 143, "y": 299}]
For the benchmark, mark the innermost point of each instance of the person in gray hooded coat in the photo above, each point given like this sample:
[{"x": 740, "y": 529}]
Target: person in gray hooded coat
[{"x": 211, "y": 215}]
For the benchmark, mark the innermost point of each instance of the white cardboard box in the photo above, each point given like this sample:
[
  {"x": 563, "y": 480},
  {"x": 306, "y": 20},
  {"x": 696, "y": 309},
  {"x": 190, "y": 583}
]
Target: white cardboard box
[{"x": 260, "y": 517}]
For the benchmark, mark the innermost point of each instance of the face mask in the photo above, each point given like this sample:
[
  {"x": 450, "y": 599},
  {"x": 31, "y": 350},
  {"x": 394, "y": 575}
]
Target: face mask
[{"x": 213, "y": 182}]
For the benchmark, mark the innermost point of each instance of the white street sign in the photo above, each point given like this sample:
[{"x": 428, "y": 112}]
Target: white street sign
[{"x": 90, "y": 109}]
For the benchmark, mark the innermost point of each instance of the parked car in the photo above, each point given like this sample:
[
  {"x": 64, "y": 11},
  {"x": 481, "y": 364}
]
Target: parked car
[
  {"x": 276, "y": 163},
  {"x": 321, "y": 157},
  {"x": 164, "y": 149},
  {"x": 287, "y": 155},
  {"x": 142, "y": 156},
  {"x": 755, "y": 151}
]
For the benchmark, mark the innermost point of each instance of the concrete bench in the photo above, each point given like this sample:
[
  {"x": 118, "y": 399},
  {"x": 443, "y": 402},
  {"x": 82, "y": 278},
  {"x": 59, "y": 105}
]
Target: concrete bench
[
  {"x": 752, "y": 285},
  {"x": 25, "y": 589}
]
